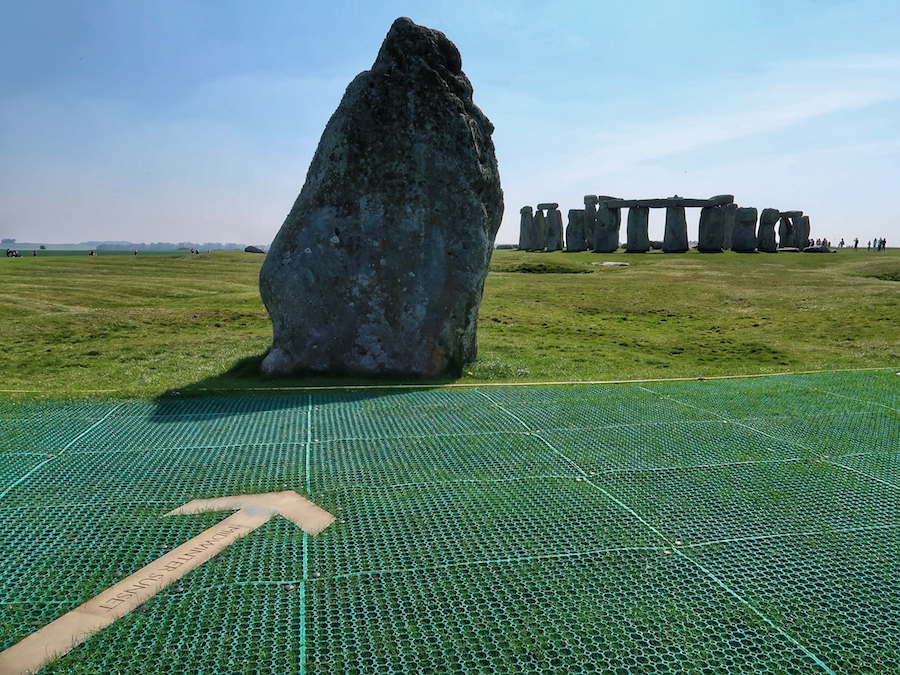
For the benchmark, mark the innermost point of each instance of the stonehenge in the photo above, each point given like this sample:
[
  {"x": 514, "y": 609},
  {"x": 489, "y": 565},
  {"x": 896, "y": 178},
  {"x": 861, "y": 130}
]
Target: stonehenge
[{"x": 723, "y": 226}]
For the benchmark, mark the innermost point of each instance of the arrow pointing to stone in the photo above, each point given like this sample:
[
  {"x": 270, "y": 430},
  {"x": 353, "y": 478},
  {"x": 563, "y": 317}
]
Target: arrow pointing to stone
[{"x": 70, "y": 630}]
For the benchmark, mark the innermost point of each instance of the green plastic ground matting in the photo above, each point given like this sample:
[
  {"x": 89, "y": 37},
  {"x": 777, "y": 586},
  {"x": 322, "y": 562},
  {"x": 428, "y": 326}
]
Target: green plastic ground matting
[{"x": 718, "y": 526}]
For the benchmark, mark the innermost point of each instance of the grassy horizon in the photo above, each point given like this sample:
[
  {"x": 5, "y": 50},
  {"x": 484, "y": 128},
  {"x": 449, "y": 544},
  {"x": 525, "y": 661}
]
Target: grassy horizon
[{"x": 126, "y": 326}]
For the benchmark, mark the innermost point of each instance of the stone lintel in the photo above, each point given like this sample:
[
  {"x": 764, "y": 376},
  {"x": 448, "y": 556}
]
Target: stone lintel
[
  {"x": 548, "y": 206},
  {"x": 791, "y": 214},
  {"x": 719, "y": 200}
]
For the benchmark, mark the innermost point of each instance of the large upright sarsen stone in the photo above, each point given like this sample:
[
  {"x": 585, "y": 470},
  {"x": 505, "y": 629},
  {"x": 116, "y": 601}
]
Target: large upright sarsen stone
[{"x": 380, "y": 265}]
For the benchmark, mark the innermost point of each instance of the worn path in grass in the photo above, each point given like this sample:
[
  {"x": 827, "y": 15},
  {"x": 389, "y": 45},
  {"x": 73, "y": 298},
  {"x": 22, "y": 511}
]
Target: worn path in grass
[{"x": 742, "y": 525}]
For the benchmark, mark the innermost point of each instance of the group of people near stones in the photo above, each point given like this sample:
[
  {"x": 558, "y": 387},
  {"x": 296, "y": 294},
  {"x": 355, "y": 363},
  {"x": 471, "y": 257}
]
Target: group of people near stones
[
  {"x": 879, "y": 244},
  {"x": 723, "y": 226}
]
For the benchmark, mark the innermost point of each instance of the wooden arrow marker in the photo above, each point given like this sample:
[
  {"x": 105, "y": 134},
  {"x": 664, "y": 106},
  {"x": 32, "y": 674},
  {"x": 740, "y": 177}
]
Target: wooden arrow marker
[{"x": 70, "y": 630}]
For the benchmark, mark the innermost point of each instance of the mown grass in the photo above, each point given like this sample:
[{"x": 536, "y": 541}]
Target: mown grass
[{"x": 146, "y": 325}]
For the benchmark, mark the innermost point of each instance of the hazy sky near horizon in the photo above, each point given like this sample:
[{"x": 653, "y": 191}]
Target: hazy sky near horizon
[{"x": 196, "y": 120}]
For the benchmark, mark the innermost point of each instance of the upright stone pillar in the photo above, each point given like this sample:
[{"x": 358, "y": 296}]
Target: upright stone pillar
[
  {"x": 590, "y": 219},
  {"x": 801, "y": 231},
  {"x": 711, "y": 237},
  {"x": 638, "y": 230},
  {"x": 606, "y": 233},
  {"x": 743, "y": 239},
  {"x": 538, "y": 231},
  {"x": 575, "y": 240},
  {"x": 765, "y": 236},
  {"x": 785, "y": 232},
  {"x": 526, "y": 226},
  {"x": 675, "y": 239},
  {"x": 554, "y": 230},
  {"x": 730, "y": 212}
]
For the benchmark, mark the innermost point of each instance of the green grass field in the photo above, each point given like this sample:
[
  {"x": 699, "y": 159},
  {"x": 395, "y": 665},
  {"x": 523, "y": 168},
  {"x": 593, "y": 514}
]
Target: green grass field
[
  {"x": 145, "y": 325},
  {"x": 741, "y": 525}
]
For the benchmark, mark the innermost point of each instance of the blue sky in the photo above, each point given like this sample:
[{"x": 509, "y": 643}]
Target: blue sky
[{"x": 196, "y": 121}]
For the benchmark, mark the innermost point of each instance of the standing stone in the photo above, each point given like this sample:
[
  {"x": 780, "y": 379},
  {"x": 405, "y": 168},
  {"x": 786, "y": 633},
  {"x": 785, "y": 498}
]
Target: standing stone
[
  {"x": 801, "y": 231},
  {"x": 554, "y": 230},
  {"x": 575, "y": 240},
  {"x": 765, "y": 236},
  {"x": 675, "y": 239},
  {"x": 638, "y": 230},
  {"x": 590, "y": 219},
  {"x": 380, "y": 265},
  {"x": 730, "y": 212},
  {"x": 785, "y": 232},
  {"x": 711, "y": 237},
  {"x": 606, "y": 231},
  {"x": 525, "y": 226},
  {"x": 538, "y": 231},
  {"x": 743, "y": 239}
]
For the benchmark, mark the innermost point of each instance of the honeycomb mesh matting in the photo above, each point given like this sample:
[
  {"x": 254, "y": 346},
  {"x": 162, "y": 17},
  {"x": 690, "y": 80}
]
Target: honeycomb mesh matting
[{"x": 718, "y": 526}]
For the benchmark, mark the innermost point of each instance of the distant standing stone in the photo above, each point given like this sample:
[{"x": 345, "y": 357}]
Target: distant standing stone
[
  {"x": 525, "y": 227},
  {"x": 730, "y": 212},
  {"x": 801, "y": 231},
  {"x": 575, "y": 240},
  {"x": 538, "y": 231},
  {"x": 675, "y": 239},
  {"x": 554, "y": 230},
  {"x": 380, "y": 265},
  {"x": 638, "y": 230},
  {"x": 765, "y": 236},
  {"x": 743, "y": 239},
  {"x": 606, "y": 231},
  {"x": 590, "y": 219},
  {"x": 785, "y": 232},
  {"x": 711, "y": 237}
]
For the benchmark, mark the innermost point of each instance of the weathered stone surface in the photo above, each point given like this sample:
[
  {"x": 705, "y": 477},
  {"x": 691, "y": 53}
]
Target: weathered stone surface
[
  {"x": 606, "y": 231},
  {"x": 638, "y": 230},
  {"x": 554, "y": 230},
  {"x": 817, "y": 249},
  {"x": 575, "y": 240},
  {"x": 548, "y": 206},
  {"x": 590, "y": 219},
  {"x": 791, "y": 214},
  {"x": 675, "y": 239},
  {"x": 711, "y": 235},
  {"x": 765, "y": 235},
  {"x": 743, "y": 238},
  {"x": 538, "y": 231},
  {"x": 730, "y": 212},
  {"x": 526, "y": 214},
  {"x": 253, "y": 249},
  {"x": 380, "y": 265}
]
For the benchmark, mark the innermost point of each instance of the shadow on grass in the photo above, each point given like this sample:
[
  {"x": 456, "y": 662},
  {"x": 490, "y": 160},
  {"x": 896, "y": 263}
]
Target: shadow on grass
[{"x": 244, "y": 381}]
